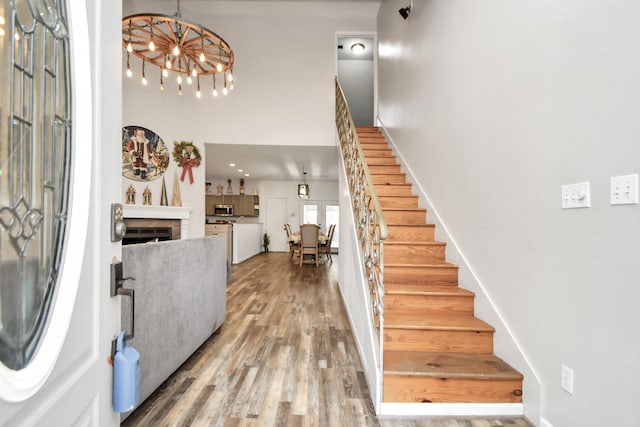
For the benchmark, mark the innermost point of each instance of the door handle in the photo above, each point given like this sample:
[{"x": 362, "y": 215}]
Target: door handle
[{"x": 117, "y": 288}]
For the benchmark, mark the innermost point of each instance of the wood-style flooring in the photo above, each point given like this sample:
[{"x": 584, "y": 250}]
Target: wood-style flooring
[{"x": 285, "y": 356}]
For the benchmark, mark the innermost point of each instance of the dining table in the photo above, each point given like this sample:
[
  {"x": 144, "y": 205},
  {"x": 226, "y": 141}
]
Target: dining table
[{"x": 295, "y": 238}]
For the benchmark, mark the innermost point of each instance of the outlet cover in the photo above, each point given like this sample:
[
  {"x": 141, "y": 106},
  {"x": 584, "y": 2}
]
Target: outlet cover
[
  {"x": 566, "y": 379},
  {"x": 624, "y": 190}
]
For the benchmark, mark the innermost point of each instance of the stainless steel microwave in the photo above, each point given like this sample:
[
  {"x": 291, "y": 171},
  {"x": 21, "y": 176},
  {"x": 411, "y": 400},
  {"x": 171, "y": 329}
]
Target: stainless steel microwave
[{"x": 223, "y": 210}]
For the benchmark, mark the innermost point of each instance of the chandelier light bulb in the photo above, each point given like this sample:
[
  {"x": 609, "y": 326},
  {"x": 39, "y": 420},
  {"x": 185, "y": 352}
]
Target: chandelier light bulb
[
  {"x": 194, "y": 72},
  {"x": 179, "y": 79},
  {"x": 168, "y": 64},
  {"x": 230, "y": 78},
  {"x": 189, "y": 80},
  {"x": 129, "y": 73},
  {"x": 176, "y": 50},
  {"x": 162, "y": 86},
  {"x": 215, "y": 92},
  {"x": 180, "y": 90},
  {"x": 231, "y": 86},
  {"x": 144, "y": 80},
  {"x": 152, "y": 46},
  {"x": 219, "y": 67},
  {"x": 225, "y": 91},
  {"x": 202, "y": 57},
  {"x": 129, "y": 47},
  {"x": 165, "y": 73},
  {"x": 198, "y": 94}
]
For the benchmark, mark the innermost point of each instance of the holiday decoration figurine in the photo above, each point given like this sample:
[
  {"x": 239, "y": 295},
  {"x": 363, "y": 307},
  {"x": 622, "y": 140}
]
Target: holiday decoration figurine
[
  {"x": 131, "y": 195},
  {"x": 146, "y": 196}
]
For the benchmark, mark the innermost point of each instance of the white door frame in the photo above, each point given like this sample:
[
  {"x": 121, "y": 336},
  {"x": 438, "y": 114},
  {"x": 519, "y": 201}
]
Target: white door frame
[{"x": 77, "y": 390}]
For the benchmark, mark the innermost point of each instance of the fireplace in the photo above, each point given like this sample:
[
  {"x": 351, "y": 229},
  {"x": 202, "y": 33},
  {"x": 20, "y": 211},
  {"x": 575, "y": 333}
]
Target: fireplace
[
  {"x": 155, "y": 223},
  {"x": 143, "y": 230}
]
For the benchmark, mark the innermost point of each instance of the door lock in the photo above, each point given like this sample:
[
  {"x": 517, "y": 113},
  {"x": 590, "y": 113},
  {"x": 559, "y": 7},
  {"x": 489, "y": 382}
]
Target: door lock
[{"x": 118, "y": 227}]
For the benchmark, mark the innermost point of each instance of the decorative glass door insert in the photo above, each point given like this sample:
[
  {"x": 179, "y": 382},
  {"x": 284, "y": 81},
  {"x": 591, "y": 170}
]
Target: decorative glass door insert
[{"x": 35, "y": 162}]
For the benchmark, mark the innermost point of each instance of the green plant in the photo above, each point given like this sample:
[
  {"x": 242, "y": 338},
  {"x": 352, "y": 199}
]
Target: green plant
[{"x": 265, "y": 241}]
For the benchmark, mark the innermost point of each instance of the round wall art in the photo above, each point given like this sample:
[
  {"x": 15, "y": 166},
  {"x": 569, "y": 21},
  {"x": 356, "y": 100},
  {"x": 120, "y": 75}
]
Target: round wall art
[{"x": 145, "y": 156}]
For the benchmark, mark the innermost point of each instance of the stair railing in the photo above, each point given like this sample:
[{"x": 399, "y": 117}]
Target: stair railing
[{"x": 370, "y": 223}]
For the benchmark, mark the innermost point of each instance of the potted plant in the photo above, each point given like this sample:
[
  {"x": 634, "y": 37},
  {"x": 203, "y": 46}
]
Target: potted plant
[{"x": 265, "y": 242}]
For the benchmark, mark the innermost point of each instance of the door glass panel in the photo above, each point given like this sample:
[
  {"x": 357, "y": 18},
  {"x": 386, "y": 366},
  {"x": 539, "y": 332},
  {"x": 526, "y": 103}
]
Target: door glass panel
[
  {"x": 332, "y": 216},
  {"x": 310, "y": 214},
  {"x": 35, "y": 159}
]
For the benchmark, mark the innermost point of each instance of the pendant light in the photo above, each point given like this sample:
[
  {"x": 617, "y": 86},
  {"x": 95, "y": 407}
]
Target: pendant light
[{"x": 303, "y": 188}]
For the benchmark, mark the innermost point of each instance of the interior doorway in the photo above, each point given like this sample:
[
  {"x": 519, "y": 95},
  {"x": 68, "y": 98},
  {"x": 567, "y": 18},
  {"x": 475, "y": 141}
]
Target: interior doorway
[{"x": 356, "y": 59}]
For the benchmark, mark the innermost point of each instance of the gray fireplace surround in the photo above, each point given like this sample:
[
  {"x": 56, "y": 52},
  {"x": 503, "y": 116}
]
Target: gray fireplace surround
[{"x": 180, "y": 300}]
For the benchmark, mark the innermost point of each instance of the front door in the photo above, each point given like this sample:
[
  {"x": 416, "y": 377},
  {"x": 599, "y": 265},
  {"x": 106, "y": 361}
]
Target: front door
[{"x": 60, "y": 120}]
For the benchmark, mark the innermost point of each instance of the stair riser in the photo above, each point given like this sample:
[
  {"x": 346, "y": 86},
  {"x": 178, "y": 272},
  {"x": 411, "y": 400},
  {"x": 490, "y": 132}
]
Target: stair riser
[
  {"x": 410, "y": 234},
  {"x": 376, "y": 164},
  {"x": 417, "y": 217},
  {"x": 389, "y": 178},
  {"x": 393, "y": 190},
  {"x": 421, "y": 275},
  {"x": 413, "y": 254},
  {"x": 378, "y": 152},
  {"x": 429, "y": 304},
  {"x": 384, "y": 169},
  {"x": 438, "y": 341},
  {"x": 374, "y": 146},
  {"x": 450, "y": 390},
  {"x": 399, "y": 202}
]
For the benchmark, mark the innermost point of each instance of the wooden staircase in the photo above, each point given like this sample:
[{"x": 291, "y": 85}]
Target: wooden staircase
[{"x": 435, "y": 349}]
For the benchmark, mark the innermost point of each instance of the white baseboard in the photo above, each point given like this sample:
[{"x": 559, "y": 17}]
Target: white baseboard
[
  {"x": 412, "y": 410},
  {"x": 545, "y": 423}
]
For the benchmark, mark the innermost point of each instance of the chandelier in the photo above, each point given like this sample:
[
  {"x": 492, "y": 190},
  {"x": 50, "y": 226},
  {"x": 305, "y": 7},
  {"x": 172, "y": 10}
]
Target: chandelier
[{"x": 185, "y": 50}]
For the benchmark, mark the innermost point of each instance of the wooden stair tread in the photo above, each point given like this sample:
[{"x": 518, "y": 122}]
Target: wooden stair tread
[
  {"x": 403, "y": 208},
  {"x": 416, "y": 226},
  {"x": 448, "y": 365},
  {"x": 443, "y": 265},
  {"x": 394, "y": 320},
  {"x": 418, "y": 289},
  {"x": 412, "y": 243}
]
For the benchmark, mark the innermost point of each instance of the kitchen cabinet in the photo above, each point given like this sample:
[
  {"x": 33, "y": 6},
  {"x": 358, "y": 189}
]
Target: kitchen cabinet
[
  {"x": 243, "y": 205},
  {"x": 225, "y": 230}
]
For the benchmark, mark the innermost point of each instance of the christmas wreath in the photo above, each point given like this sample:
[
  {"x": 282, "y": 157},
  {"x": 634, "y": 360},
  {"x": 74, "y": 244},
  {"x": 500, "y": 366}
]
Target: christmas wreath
[{"x": 187, "y": 156}]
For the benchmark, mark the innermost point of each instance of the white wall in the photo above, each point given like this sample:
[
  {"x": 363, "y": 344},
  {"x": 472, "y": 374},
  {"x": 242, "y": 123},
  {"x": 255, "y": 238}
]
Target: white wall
[
  {"x": 284, "y": 69},
  {"x": 284, "y": 92},
  {"x": 495, "y": 105}
]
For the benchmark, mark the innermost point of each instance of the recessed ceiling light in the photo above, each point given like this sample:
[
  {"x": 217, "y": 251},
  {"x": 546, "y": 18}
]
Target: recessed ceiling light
[
  {"x": 240, "y": 170},
  {"x": 232, "y": 164},
  {"x": 357, "y": 48},
  {"x": 246, "y": 174}
]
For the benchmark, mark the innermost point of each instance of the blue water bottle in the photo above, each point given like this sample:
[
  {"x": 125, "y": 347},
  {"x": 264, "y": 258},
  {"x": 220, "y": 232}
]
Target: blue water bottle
[{"x": 126, "y": 376}]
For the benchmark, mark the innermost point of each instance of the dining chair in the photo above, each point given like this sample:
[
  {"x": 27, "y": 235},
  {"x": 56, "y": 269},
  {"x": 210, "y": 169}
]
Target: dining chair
[
  {"x": 325, "y": 248},
  {"x": 294, "y": 248},
  {"x": 309, "y": 241}
]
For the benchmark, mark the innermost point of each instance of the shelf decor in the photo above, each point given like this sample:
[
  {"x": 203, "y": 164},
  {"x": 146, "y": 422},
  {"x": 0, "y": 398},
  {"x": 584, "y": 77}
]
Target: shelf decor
[{"x": 187, "y": 156}]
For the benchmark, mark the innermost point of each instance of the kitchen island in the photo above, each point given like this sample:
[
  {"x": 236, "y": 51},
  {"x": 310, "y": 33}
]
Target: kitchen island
[{"x": 247, "y": 241}]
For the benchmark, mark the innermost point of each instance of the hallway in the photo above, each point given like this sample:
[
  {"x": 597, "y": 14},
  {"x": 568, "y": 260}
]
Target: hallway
[{"x": 284, "y": 356}]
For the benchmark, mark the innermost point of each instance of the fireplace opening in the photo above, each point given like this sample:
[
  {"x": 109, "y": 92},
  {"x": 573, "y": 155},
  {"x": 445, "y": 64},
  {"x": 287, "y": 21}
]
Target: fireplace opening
[{"x": 141, "y": 230}]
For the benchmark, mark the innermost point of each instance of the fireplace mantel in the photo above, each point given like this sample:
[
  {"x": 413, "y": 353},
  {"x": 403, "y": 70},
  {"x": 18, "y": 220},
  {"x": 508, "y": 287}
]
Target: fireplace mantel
[{"x": 161, "y": 212}]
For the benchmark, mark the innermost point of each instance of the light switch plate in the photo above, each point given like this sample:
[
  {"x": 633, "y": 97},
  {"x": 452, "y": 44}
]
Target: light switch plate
[
  {"x": 576, "y": 195},
  {"x": 624, "y": 190}
]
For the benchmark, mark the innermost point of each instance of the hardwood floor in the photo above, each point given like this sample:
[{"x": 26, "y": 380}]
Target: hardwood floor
[{"x": 285, "y": 356}]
